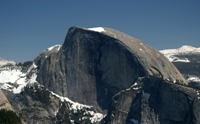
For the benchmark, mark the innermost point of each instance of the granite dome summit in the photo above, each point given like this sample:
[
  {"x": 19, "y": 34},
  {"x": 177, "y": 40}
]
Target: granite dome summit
[{"x": 86, "y": 52}]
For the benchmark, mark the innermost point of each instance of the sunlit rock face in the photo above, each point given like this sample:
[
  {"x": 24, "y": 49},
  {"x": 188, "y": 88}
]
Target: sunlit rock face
[{"x": 4, "y": 103}]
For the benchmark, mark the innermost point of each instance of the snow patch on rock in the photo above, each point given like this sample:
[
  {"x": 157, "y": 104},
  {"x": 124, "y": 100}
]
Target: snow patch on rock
[
  {"x": 97, "y": 29},
  {"x": 177, "y": 59},
  {"x": 134, "y": 121},
  {"x": 75, "y": 105},
  {"x": 193, "y": 79},
  {"x": 56, "y": 47},
  {"x": 95, "y": 116}
]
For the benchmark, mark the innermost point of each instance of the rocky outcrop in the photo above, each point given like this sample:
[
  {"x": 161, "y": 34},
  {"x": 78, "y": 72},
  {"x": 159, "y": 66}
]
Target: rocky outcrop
[
  {"x": 4, "y": 103},
  {"x": 155, "y": 102}
]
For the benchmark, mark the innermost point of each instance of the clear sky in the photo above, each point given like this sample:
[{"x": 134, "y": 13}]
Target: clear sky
[{"x": 28, "y": 27}]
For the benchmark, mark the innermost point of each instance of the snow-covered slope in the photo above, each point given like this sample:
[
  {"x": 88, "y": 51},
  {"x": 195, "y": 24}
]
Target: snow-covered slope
[
  {"x": 14, "y": 78},
  {"x": 75, "y": 106},
  {"x": 6, "y": 62},
  {"x": 172, "y": 54}
]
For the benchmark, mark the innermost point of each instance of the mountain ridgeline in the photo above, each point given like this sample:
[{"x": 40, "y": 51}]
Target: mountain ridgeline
[{"x": 107, "y": 72}]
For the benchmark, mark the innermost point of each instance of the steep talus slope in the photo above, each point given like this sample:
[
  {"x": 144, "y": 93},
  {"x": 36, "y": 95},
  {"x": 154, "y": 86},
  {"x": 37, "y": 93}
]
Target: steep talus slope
[{"x": 121, "y": 77}]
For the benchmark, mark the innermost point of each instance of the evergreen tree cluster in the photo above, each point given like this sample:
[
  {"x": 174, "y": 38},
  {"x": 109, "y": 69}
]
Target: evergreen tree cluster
[
  {"x": 9, "y": 117},
  {"x": 38, "y": 93},
  {"x": 78, "y": 116}
]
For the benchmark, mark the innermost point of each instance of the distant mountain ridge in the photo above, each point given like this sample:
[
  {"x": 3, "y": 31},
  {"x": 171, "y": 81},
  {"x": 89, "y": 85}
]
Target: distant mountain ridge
[
  {"x": 185, "y": 49},
  {"x": 187, "y": 60},
  {"x": 173, "y": 54}
]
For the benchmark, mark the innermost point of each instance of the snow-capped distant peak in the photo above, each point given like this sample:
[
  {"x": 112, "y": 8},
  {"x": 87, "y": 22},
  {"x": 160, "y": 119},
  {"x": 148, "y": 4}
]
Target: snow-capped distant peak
[
  {"x": 97, "y": 29},
  {"x": 184, "y": 50},
  {"x": 57, "y": 47},
  {"x": 187, "y": 47}
]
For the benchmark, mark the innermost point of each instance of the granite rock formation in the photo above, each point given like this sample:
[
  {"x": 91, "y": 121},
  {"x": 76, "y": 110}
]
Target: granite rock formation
[{"x": 96, "y": 68}]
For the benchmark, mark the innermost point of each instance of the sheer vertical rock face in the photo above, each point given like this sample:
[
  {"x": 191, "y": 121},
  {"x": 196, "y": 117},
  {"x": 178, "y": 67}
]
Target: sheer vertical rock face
[
  {"x": 90, "y": 68},
  {"x": 121, "y": 75}
]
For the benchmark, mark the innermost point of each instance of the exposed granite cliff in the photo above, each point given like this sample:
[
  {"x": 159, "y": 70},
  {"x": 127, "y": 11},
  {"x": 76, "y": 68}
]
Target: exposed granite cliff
[
  {"x": 89, "y": 60},
  {"x": 121, "y": 75}
]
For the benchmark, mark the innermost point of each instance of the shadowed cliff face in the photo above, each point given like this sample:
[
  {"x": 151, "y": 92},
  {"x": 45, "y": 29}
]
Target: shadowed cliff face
[
  {"x": 155, "y": 102},
  {"x": 119, "y": 74}
]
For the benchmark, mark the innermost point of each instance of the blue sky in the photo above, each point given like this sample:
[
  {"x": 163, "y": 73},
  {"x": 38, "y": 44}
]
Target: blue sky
[{"x": 29, "y": 27}]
